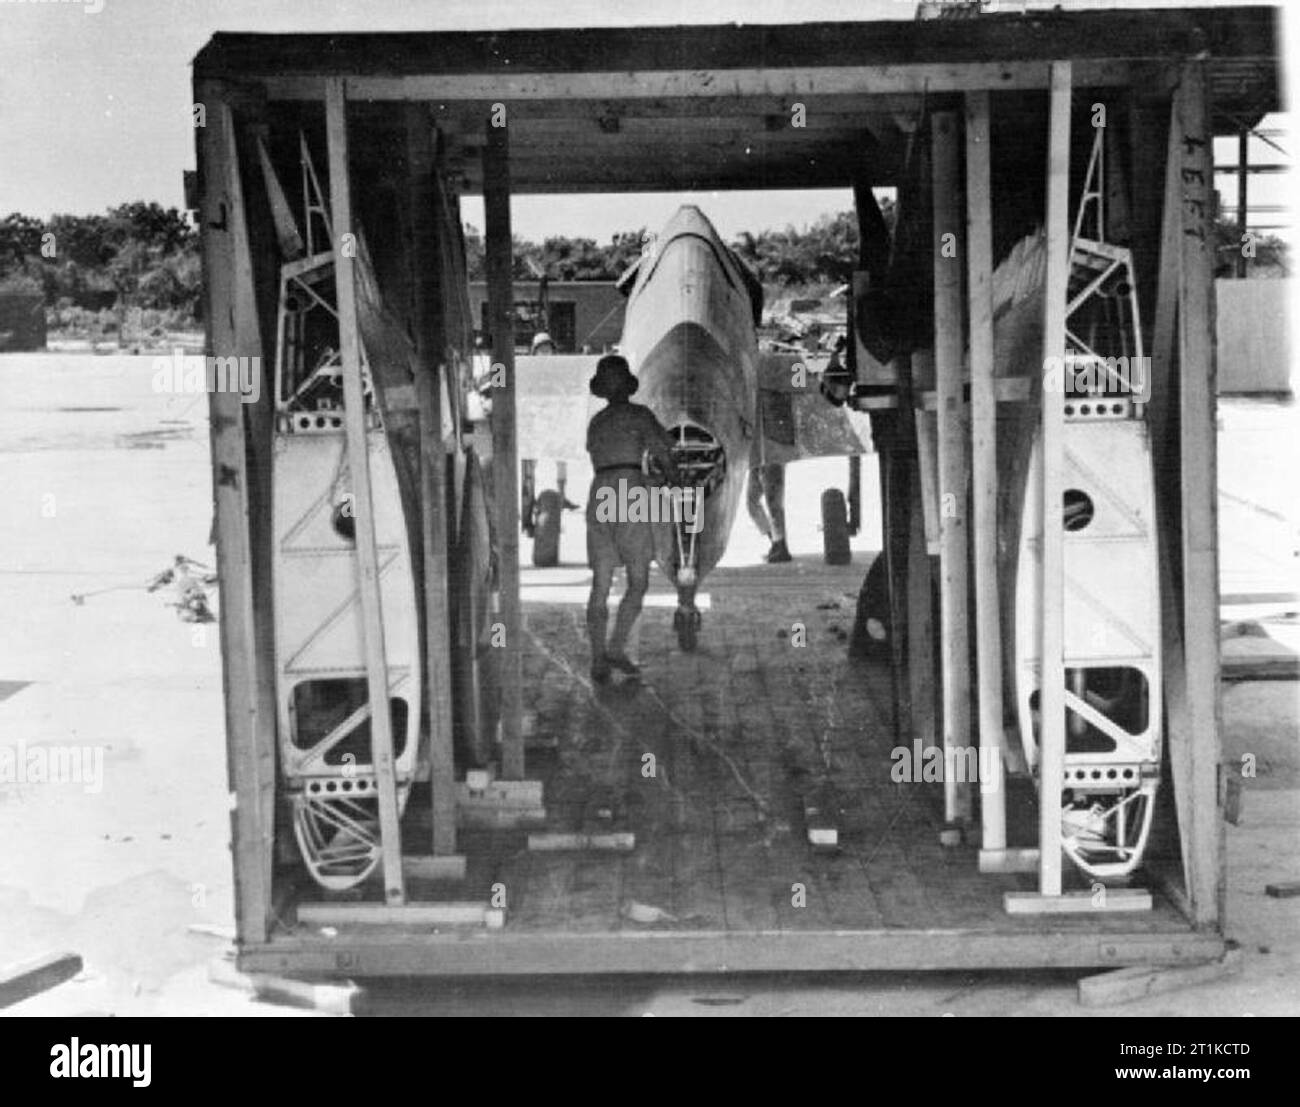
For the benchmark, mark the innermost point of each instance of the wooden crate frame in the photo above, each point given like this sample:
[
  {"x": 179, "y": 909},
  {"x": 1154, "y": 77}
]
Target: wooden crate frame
[{"x": 236, "y": 77}]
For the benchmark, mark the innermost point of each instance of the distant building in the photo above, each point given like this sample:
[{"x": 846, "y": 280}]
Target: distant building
[
  {"x": 581, "y": 314},
  {"x": 22, "y": 321}
]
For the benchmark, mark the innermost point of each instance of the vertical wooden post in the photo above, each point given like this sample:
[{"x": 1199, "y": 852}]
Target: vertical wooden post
[
  {"x": 984, "y": 466},
  {"x": 1163, "y": 385},
  {"x": 230, "y": 314},
  {"x": 505, "y": 465},
  {"x": 920, "y": 619},
  {"x": 1148, "y": 118},
  {"x": 948, "y": 233},
  {"x": 426, "y": 283},
  {"x": 1183, "y": 446},
  {"x": 1243, "y": 211},
  {"x": 1199, "y": 479},
  {"x": 437, "y": 613},
  {"x": 1164, "y": 422},
  {"x": 897, "y": 469},
  {"x": 1051, "y": 669},
  {"x": 855, "y": 494},
  {"x": 358, "y": 453},
  {"x": 925, "y": 424}
]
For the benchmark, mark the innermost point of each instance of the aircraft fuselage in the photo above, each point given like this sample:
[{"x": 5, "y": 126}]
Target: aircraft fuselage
[{"x": 689, "y": 336}]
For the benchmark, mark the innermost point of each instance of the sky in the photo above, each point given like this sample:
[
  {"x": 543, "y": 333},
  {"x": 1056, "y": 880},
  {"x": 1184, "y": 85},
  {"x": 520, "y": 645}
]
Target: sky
[{"x": 95, "y": 96}]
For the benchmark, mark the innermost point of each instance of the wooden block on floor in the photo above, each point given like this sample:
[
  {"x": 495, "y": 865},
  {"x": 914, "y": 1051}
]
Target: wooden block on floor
[
  {"x": 328, "y": 997},
  {"x": 1077, "y": 903},
  {"x": 824, "y": 837},
  {"x": 1137, "y": 981},
  {"x": 500, "y": 818},
  {"x": 25, "y": 979},
  {"x": 502, "y": 793},
  {"x": 820, "y": 819},
  {"x": 618, "y": 842},
  {"x": 446, "y": 867},
  {"x": 1008, "y": 860},
  {"x": 1232, "y": 791},
  {"x": 477, "y": 780},
  {"x": 1285, "y": 889},
  {"x": 499, "y": 804},
  {"x": 408, "y": 914}
]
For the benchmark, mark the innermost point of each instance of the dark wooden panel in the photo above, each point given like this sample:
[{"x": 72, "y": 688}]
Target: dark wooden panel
[
  {"x": 394, "y": 953},
  {"x": 1044, "y": 35}
]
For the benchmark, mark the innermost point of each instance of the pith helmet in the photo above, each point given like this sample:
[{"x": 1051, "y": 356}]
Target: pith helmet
[{"x": 613, "y": 379}]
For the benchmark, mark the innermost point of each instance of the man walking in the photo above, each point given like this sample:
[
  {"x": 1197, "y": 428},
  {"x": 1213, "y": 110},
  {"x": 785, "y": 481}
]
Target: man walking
[
  {"x": 618, "y": 439},
  {"x": 767, "y": 482}
]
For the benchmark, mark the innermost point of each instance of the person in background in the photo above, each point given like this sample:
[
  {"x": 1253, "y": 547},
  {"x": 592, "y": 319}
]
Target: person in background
[
  {"x": 767, "y": 483},
  {"x": 618, "y": 438},
  {"x": 543, "y": 345}
]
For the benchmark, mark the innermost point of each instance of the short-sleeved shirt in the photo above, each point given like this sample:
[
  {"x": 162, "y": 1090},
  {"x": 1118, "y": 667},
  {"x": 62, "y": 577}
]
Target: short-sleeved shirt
[
  {"x": 617, "y": 437},
  {"x": 621, "y": 434}
]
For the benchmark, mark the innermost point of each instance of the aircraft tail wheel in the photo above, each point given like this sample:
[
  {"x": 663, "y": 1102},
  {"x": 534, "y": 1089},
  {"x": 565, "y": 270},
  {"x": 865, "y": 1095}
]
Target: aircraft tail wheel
[
  {"x": 835, "y": 528},
  {"x": 546, "y": 530},
  {"x": 686, "y": 622}
]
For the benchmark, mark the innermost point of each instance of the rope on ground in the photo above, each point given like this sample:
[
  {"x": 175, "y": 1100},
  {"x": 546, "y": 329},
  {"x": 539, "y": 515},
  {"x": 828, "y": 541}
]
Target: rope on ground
[
  {"x": 835, "y": 718},
  {"x": 574, "y": 675},
  {"x": 715, "y": 749}
]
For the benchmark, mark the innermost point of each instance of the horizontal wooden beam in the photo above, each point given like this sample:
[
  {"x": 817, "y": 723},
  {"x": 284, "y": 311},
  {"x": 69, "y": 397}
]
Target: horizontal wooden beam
[
  {"x": 330, "y": 998},
  {"x": 590, "y": 175},
  {"x": 729, "y": 183},
  {"x": 1232, "y": 33},
  {"x": 1077, "y": 903},
  {"x": 604, "y": 129},
  {"x": 406, "y": 914},
  {"x": 634, "y": 148},
  {"x": 559, "y": 842},
  {"x": 375, "y": 952},
  {"x": 38, "y": 974},
  {"x": 812, "y": 83},
  {"x": 1140, "y": 981},
  {"x": 463, "y": 118},
  {"x": 444, "y": 866}
]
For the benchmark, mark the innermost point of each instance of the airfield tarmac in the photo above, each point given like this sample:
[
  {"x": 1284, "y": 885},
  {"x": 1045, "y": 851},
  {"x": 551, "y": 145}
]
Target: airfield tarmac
[{"x": 107, "y": 480}]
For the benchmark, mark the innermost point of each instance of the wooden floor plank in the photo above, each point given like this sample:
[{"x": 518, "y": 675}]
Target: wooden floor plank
[
  {"x": 742, "y": 827},
  {"x": 740, "y": 732}
]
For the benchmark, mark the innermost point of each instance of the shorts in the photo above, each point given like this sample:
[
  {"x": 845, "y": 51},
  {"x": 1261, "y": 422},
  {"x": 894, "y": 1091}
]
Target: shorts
[{"x": 613, "y": 542}]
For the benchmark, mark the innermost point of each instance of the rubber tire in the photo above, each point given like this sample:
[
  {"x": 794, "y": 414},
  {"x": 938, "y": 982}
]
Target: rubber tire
[
  {"x": 835, "y": 528},
  {"x": 546, "y": 530},
  {"x": 687, "y": 627},
  {"x": 873, "y": 603}
]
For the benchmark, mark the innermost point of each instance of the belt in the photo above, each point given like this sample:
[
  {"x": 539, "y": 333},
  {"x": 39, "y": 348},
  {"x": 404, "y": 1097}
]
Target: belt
[{"x": 610, "y": 468}]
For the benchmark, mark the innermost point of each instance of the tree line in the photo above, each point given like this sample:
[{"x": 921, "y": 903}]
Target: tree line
[
  {"x": 824, "y": 252},
  {"x": 142, "y": 255},
  {"x": 135, "y": 255}
]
